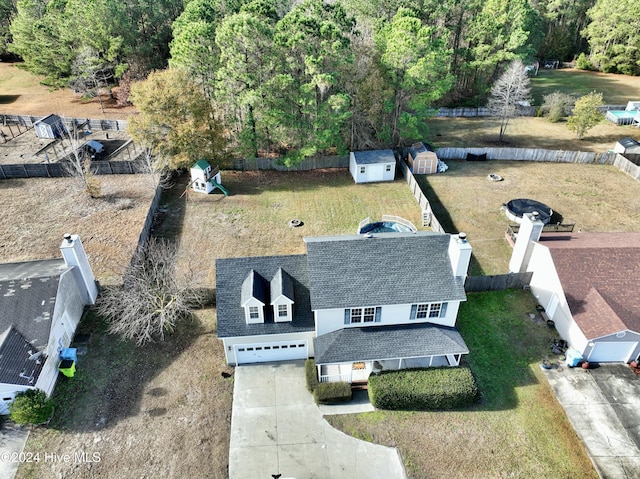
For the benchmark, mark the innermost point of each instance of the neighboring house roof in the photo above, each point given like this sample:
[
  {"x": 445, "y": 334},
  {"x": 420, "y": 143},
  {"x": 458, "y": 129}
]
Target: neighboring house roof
[
  {"x": 387, "y": 342},
  {"x": 230, "y": 275},
  {"x": 374, "y": 156},
  {"x": 16, "y": 367},
  {"x": 600, "y": 274},
  {"x": 403, "y": 268},
  {"x": 28, "y": 293}
]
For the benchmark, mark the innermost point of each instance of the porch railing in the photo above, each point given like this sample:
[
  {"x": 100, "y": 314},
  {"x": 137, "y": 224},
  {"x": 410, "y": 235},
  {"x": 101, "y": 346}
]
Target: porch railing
[{"x": 336, "y": 378}]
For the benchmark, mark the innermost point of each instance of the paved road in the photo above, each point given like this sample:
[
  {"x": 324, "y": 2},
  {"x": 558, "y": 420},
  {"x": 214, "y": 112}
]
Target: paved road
[{"x": 277, "y": 428}]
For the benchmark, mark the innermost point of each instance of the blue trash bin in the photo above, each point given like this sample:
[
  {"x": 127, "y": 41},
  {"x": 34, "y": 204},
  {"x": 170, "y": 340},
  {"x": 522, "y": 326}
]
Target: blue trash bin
[
  {"x": 69, "y": 353},
  {"x": 573, "y": 357}
]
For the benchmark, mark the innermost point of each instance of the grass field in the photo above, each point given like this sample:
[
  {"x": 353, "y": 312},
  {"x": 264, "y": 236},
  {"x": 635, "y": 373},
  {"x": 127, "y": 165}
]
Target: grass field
[
  {"x": 615, "y": 89},
  {"x": 594, "y": 197},
  {"x": 518, "y": 429}
]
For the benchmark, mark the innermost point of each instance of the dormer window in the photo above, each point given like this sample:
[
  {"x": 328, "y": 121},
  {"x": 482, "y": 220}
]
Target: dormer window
[
  {"x": 282, "y": 296},
  {"x": 255, "y": 294},
  {"x": 254, "y": 312}
]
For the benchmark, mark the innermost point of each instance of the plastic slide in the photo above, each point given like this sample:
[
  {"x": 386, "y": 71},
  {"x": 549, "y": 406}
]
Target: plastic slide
[{"x": 218, "y": 185}]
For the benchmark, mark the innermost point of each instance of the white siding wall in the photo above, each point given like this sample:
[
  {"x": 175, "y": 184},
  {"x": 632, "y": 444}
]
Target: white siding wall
[
  {"x": 278, "y": 301},
  {"x": 545, "y": 283},
  {"x": 328, "y": 320},
  {"x": 253, "y": 302},
  {"x": 7, "y": 394},
  {"x": 352, "y": 167},
  {"x": 266, "y": 338}
]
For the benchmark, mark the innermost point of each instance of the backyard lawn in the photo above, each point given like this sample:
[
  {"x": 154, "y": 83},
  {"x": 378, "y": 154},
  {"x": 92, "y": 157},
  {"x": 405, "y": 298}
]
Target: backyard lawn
[{"x": 517, "y": 430}]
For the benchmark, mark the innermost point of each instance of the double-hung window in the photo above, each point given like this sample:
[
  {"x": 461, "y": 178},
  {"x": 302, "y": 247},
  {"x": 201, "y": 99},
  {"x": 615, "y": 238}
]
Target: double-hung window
[
  {"x": 363, "y": 315},
  {"x": 428, "y": 310},
  {"x": 282, "y": 311},
  {"x": 356, "y": 315},
  {"x": 254, "y": 312}
]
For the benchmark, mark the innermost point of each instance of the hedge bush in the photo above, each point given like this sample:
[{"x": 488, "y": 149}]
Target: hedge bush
[
  {"x": 423, "y": 389},
  {"x": 329, "y": 393},
  {"x": 31, "y": 407},
  {"x": 311, "y": 374}
]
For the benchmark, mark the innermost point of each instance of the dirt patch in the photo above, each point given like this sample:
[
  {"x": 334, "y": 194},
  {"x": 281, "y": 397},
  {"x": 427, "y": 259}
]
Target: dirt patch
[{"x": 37, "y": 212}]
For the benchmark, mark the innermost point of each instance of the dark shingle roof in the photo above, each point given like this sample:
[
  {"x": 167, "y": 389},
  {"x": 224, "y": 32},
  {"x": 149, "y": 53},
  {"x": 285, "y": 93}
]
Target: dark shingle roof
[
  {"x": 27, "y": 297},
  {"x": 282, "y": 284},
  {"x": 600, "y": 274},
  {"x": 230, "y": 274},
  {"x": 254, "y": 286},
  {"x": 15, "y": 365},
  {"x": 373, "y": 157},
  {"x": 420, "y": 147},
  {"x": 350, "y": 271},
  {"x": 387, "y": 342}
]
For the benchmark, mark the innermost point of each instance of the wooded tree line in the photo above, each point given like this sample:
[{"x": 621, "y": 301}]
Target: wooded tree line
[{"x": 308, "y": 76}]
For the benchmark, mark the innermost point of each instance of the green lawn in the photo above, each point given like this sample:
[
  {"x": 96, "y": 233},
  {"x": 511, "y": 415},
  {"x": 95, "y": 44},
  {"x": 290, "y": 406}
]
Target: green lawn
[
  {"x": 616, "y": 89},
  {"x": 518, "y": 429}
]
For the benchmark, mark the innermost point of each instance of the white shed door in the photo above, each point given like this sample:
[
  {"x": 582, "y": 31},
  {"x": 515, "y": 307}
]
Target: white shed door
[
  {"x": 265, "y": 352},
  {"x": 610, "y": 351}
]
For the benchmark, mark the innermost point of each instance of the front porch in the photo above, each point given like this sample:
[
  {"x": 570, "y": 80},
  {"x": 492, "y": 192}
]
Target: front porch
[{"x": 358, "y": 372}]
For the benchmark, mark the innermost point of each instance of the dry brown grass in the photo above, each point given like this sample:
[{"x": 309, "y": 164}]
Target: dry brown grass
[
  {"x": 37, "y": 212},
  {"x": 22, "y": 94},
  {"x": 525, "y": 132},
  {"x": 594, "y": 197}
]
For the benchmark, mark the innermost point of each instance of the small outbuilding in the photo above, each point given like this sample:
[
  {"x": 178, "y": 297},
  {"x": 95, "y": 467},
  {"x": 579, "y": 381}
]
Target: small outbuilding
[
  {"x": 373, "y": 165},
  {"x": 50, "y": 126},
  {"x": 629, "y": 148},
  {"x": 205, "y": 178},
  {"x": 422, "y": 159}
]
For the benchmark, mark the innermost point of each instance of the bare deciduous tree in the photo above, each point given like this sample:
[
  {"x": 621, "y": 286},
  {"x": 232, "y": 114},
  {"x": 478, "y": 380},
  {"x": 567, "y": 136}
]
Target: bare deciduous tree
[
  {"x": 77, "y": 162},
  {"x": 153, "y": 299},
  {"x": 91, "y": 74},
  {"x": 509, "y": 93}
]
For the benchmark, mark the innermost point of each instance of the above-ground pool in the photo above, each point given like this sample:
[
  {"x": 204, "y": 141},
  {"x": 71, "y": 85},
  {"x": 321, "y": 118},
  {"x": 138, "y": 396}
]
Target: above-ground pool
[
  {"x": 385, "y": 227},
  {"x": 622, "y": 117},
  {"x": 516, "y": 208},
  {"x": 389, "y": 224}
]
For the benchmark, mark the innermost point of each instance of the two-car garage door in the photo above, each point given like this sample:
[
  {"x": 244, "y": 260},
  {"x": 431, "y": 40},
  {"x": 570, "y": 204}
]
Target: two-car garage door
[{"x": 276, "y": 351}]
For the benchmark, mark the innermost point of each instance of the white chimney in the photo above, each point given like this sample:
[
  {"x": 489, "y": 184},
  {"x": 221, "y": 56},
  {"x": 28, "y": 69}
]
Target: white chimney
[
  {"x": 74, "y": 255},
  {"x": 529, "y": 232},
  {"x": 459, "y": 254}
]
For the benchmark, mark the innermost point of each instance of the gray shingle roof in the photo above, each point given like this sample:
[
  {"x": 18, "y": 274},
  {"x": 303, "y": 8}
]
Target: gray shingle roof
[
  {"x": 15, "y": 365},
  {"x": 254, "y": 286},
  {"x": 27, "y": 297},
  {"x": 282, "y": 284},
  {"x": 373, "y": 157},
  {"x": 387, "y": 342},
  {"x": 230, "y": 274},
  {"x": 351, "y": 271}
]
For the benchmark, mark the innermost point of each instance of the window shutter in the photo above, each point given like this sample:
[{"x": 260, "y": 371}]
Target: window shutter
[
  {"x": 443, "y": 310},
  {"x": 347, "y": 316},
  {"x": 414, "y": 309},
  {"x": 378, "y": 314}
]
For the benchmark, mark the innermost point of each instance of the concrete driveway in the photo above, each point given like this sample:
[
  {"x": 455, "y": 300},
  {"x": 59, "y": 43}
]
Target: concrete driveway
[
  {"x": 603, "y": 406},
  {"x": 12, "y": 441},
  {"x": 276, "y": 428}
]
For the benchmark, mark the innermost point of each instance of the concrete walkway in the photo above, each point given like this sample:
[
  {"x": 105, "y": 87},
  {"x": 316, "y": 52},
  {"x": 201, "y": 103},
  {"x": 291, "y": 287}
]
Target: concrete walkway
[
  {"x": 12, "y": 441},
  {"x": 276, "y": 428},
  {"x": 603, "y": 406}
]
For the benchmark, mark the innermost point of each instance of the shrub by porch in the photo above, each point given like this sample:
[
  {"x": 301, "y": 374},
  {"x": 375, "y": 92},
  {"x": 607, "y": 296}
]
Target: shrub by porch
[{"x": 423, "y": 389}]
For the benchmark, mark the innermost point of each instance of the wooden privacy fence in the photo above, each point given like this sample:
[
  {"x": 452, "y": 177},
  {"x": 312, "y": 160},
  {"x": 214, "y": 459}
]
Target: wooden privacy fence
[
  {"x": 244, "y": 164},
  {"x": 529, "y": 154},
  {"x": 498, "y": 282},
  {"x": 428, "y": 218},
  {"x": 481, "y": 111},
  {"x": 58, "y": 170}
]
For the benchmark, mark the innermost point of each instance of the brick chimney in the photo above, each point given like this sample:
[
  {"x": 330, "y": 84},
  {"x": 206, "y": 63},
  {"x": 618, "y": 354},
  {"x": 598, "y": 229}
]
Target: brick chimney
[{"x": 74, "y": 255}]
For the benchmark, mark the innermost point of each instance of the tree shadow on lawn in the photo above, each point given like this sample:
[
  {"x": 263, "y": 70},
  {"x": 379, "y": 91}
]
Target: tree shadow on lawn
[
  {"x": 503, "y": 342},
  {"x": 112, "y": 375}
]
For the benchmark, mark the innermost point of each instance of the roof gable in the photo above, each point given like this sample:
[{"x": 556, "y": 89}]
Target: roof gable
[
  {"x": 599, "y": 273},
  {"x": 201, "y": 165},
  {"x": 350, "y": 271},
  {"x": 281, "y": 285},
  {"x": 254, "y": 287}
]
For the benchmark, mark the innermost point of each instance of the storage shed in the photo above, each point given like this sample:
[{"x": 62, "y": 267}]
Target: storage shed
[
  {"x": 50, "y": 126},
  {"x": 422, "y": 159},
  {"x": 373, "y": 165},
  {"x": 629, "y": 148}
]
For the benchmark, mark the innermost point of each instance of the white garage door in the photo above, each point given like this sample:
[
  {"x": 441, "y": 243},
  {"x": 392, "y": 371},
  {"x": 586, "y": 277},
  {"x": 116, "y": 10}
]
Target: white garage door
[
  {"x": 265, "y": 352},
  {"x": 609, "y": 351}
]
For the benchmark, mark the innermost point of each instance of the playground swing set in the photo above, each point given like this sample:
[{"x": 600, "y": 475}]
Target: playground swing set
[{"x": 205, "y": 178}]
